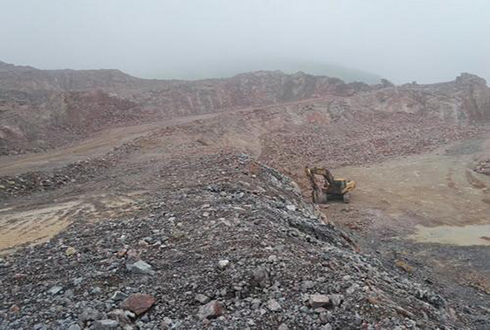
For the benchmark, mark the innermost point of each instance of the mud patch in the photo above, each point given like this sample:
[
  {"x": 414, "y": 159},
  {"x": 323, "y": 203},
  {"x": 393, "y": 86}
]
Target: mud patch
[
  {"x": 18, "y": 227},
  {"x": 37, "y": 225},
  {"x": 461, "y": 236}
]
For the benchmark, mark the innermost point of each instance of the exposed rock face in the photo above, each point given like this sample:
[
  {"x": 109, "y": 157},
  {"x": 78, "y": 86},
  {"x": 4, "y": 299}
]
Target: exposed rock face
[{"x": 41, "y": 109}]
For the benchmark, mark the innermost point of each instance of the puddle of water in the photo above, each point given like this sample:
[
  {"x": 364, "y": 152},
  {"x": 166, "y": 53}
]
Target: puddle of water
[{"x": 463, "y": 236}]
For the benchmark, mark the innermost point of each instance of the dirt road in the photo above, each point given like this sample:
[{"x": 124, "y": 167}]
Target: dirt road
[
  {"x": 93, "y": 147},
  {"x": 103, "y": 142}
]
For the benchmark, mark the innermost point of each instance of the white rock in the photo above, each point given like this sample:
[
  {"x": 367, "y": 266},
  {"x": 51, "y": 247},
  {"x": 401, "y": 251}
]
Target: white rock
[
  {"x": 55, "y": 290},
  {"x": 223, "y": 263},
  {"x": 273, "y": 305}
]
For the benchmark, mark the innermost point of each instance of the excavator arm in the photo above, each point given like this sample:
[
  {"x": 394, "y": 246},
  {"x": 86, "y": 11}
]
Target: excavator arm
[
  {"x": 327, "y": 175},
  {"x": 331, "y": 188}
]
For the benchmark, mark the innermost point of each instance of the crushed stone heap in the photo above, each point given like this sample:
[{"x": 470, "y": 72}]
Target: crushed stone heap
[{"x": 229, "y": 245}]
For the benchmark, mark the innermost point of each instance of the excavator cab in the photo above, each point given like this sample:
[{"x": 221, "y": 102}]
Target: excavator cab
[{"x": 330, "y": 188}]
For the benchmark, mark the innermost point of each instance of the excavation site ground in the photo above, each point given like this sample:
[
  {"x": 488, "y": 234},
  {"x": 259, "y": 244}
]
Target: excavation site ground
[{"x": 185, "y": 205}]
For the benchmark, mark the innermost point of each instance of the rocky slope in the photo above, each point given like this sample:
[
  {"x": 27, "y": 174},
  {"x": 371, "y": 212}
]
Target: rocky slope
[
  {"x": 42, "y": 109},
  {"x": 216, "y": 238},
  {"x": 233, "y": 246}
]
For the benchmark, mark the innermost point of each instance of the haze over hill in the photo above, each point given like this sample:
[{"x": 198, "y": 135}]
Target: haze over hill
[
  {"x": 425, "y": 41},
  {"x": 229, "y": 68}
]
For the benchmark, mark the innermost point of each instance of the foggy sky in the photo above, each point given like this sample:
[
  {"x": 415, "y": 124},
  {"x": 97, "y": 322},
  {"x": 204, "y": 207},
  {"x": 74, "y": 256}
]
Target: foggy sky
[{"x": 426, "y": 41}]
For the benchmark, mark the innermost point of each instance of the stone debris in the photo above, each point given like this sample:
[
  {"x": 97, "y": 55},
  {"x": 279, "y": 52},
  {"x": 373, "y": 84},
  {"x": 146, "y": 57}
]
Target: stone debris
[
  {"x": 91, "y": 314},
  {"x": 138, "y": 303},
  {"x": 74, "y": 327},
  {"x": 223, "y": 263},
  {"x": 201, "y": 298},
  {"x": 70, "y": 251},
  {"x": 319, "y": 300},
  {"x": 122, "y": 316},
  {"x": 273, "y": 305},
  {"x": 140, "y": 267},
  {"x": 211, "y": 310},
  {"x": 105, "y": 325},
  {"x": 483, "y": 167},
  {"x": 285, "y": 269},
  {"x": 118, "y": 296},
  {"x": 55, "y": 290}
]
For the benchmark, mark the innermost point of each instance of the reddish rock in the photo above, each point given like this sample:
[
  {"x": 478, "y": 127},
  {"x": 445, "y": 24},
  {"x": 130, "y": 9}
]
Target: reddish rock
[
  {"x": 14, "y": 308},
  {"x": 138, "y": 303},
  {"x": 211, "y": 310}
]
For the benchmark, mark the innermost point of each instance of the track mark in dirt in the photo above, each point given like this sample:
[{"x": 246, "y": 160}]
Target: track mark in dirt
[
  {"x": 449, "y": 179},
  {"x": 472, "y": 180}
]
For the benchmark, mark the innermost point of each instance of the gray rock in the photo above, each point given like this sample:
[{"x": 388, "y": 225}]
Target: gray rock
[
  {"x": 318, "y": 300},
  {"x": 202, "y": 298},
  {"x": 352, "y": 288},
  {"x": 74, "y": 327},
  {"x": 166, "y": 323},
  {"x": 211, "y": 310},
  {"x": 55, "y": 290},
  {"x": 260, "y": 277},
  {"x": 306, "y": 285},
  {"x": 90, "y": 314},
  {"x": 118, "y": 296},
  {"x": 336, "y": 299},
  {"x": 273, "y": 305},
  {"x": 140, "y": 267},
  {"x": 105, "y": 325},
  {"x": 256, "y": 303},
  {"x": 96, "y": 290},
  {"x": 283, "y": 326},
  {"x": 122, "y": 316}
]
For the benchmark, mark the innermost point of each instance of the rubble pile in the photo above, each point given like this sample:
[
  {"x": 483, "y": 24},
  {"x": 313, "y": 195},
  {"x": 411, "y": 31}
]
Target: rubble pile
[
  {"x": 483, "y": 167},
  {"x": 76, "y": 173},
  {"x": 368, "y": 138},
  {"x": 232, "y": 246}
]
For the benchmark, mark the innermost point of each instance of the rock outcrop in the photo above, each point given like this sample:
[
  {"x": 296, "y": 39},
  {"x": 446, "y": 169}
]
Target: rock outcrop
[{"x": 42, "y": 109}]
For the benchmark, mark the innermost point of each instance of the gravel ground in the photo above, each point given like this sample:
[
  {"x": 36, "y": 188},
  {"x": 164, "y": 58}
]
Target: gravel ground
[{"x": 233, "y": 246}]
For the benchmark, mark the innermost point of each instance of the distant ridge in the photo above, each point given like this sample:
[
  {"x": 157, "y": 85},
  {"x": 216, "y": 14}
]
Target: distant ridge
[{"x": 226, "y": 69}]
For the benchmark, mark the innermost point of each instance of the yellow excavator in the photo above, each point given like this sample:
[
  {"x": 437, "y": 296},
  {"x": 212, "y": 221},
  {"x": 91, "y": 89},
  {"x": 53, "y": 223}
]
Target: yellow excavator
[{"x": 332, "y": 188}]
